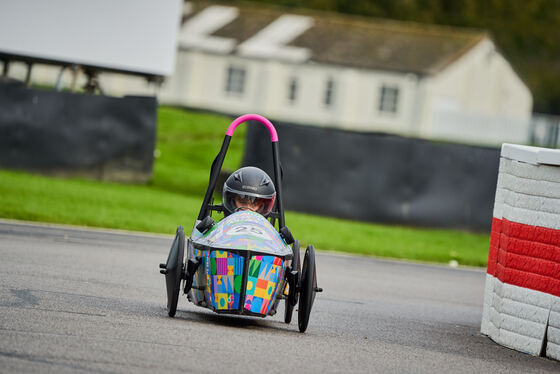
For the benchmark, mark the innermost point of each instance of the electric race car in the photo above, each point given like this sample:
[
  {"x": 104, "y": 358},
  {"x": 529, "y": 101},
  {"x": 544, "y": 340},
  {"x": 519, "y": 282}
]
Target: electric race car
[{"x": 242, "y": 264}]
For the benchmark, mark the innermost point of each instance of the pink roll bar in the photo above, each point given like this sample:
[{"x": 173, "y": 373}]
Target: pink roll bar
[{"x": 253, "y": 117}]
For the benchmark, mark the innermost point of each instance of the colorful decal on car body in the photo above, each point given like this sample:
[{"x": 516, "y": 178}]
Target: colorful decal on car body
[
  {"x": 264, "y": 275},
  {"x": 224, "y": 279}
]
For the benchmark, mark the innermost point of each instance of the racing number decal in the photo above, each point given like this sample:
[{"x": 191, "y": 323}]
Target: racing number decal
[
  {"x": 246, "y": 230},
  {"x": 249, "y": 230}
]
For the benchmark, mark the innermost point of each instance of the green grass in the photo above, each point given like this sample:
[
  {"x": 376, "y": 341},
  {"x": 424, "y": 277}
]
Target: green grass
[
  {"x": 188, "y": 143},
  {"x": 390, "y": 241},
  {"x": 83, "y": 202}
]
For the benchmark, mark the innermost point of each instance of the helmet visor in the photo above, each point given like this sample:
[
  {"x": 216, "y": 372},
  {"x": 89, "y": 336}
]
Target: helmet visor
[{"x": 235, "y": 201}]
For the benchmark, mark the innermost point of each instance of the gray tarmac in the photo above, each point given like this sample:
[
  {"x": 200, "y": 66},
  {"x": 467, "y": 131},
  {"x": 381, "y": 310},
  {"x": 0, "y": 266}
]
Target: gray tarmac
[{"x": 93, "y": 301}]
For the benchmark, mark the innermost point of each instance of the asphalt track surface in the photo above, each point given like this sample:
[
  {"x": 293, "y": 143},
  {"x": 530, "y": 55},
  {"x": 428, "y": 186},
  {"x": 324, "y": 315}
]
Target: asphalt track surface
[{"x": 92, "y": 301}]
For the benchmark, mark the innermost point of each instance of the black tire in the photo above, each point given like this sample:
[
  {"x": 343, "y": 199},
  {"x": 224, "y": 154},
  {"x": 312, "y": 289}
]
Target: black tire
[
  {"x": 307, "y": 288},
  {"x": 175, "y": 269},
  {"x": 291, "y": 301}
]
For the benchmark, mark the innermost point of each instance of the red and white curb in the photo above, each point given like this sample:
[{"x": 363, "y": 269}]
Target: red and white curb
[{"x": 522, "y": 294}]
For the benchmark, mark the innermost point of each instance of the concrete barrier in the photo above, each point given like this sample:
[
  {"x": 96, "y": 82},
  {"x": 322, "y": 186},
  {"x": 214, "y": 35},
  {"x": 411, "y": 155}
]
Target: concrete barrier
[{"x": 522, "y": 296}]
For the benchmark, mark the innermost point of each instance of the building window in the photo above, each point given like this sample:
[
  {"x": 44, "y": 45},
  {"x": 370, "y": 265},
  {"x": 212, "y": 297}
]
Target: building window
[
  {"x": 389, "y": 99},
  {"x": 235, "y": 80},
  {"x": 292, "y": 90},
  {"x": 329, "y": 92}
]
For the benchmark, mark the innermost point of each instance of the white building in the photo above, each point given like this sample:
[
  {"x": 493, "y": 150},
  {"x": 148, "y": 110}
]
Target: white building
[{"x": 347, "y": 72}]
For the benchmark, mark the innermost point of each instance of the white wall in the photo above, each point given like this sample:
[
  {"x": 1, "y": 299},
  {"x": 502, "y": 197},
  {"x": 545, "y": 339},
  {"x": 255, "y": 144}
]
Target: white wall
[
  {"x": 477, "y": 99},
  {"x": 355, "y": 100}
]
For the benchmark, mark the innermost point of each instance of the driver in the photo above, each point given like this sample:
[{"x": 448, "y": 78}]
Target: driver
[{"x": 249, "y": 188}]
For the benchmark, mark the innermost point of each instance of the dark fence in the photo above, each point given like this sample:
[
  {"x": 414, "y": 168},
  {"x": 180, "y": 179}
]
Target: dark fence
[
  {"x": 77, "y": 134},
  {"x": 379, "y": 177}
]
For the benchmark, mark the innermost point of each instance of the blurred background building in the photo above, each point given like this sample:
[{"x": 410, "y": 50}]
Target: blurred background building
[{"x": 351, "y": 73}]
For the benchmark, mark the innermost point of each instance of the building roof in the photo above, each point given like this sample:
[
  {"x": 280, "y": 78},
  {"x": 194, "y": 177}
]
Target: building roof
[{"x": 342, "y": 40}]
